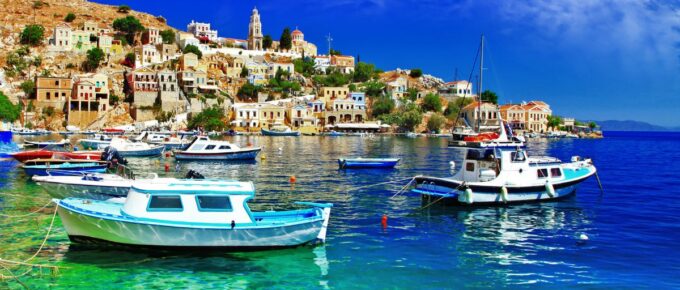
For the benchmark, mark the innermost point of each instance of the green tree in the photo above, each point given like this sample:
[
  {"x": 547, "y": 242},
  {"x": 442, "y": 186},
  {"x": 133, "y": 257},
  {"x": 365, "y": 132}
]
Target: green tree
[
  {"x": 210, "y": 119},
  {"x": 304, "y": 66},
  {"x": 8, "y": 111},
  {"x": 489, "y": 96},
  {"x": 94, "y": 57},
  {"x": 248, "y": 92},
  {"x": 285, "y": 42},
  {"x": 28, "y": 87},
  {"x": 267, "y": 41},
  {"x": 416, "y": 73},
  {"x": 592, "y": 125},
  {"x": 412, "y": 94},
  {"x": 453, "y": 108},
  {"x": 123, "y": 9},
  {"x": 432, "y": 102},
  {"x": 435, "y": 122},
  {"x": 70, "y": 17},
  {"x": 32, "y": 34},
  {"x": 193, "y": 49},
  {"x": 382, "y": 105},
  {"x": 129, "y": 59},
  {"x": 130, "y": 26},
  {"x": 244, "y": 72},
  {"x": 335, "y": 52},
  {"x": 15, "y": 63},
  {"x": 554, "y": 121},
  {"x": 333, "y": 78},
  {"x": 364, "y": 72},
  {"x": 374, "y": 88},
  {"x": 168, "y": 36},
  {"x": 409, "y": 119}
]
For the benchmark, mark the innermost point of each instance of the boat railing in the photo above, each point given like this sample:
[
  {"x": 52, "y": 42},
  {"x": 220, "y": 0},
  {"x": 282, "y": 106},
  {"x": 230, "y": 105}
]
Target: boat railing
[{"x": 122, "y": 171}]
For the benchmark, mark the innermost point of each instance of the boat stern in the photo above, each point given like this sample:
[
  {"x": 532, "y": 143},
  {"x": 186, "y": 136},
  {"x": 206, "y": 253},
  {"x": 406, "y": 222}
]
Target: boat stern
[{"x": 326, "y": 214}]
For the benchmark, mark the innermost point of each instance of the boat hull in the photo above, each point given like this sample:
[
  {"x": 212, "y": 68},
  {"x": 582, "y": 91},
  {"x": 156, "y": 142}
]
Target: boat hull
[
  {"x": 82, "y": 226},
  {"x": 266, "y": 132},
  {"x": 155, "y": 151},
  {"x": 383, "y": 164},
  {"x": 240, "y": 155},
  {"x": 94, "y": 144},
  {"x": 93, "y": 191},
  {"x": 433, "y": 189},
  {"x": 70, "y": 171}
]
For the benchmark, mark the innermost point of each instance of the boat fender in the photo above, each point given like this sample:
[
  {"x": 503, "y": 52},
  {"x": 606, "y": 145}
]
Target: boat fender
[
  {"x": 549, "y": 189},
  {"x": 469, "y": 195},
  {"x": 504, "y": 194}
]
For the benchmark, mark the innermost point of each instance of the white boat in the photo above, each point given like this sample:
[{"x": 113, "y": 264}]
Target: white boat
[
  {"x": 169, "y": 141},
  {"x": 97, "y": 142},
  {"x": 206, "y": 214},
  {"x": 503, "y": 140},
  {"x": 127, "y": 148},
  {"x": 89, "y": 185},
  {"x": 279, "y": 129},
  {"x": 500, "y": 175},
  {"x": 203, "y": 148}
]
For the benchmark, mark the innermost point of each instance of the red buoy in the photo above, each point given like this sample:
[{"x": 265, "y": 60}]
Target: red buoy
[
  {"x": 384, "y": 221},
  {"x": 167, "y": 167},
  {"x": 292, "y": 179},
  {"x": 167, "y": 154}
]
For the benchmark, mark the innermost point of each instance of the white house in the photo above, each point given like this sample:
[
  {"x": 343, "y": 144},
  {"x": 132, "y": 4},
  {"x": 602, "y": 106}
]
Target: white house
[
  {"x": 146, "y": 54},
  {"x": 202, "y": 30},
  {"x": 62, "y": 38},
  {"x": 246, "y": 115}
]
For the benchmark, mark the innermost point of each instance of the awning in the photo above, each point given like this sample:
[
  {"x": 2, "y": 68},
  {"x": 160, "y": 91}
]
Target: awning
[{"x": 357, "y": 126}]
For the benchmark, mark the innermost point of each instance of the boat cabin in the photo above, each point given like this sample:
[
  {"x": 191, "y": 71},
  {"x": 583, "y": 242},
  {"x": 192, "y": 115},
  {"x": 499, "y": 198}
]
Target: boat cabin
[
  {"x": 195, "y": 201},
  {"x": 203, "y": 143},
  {"x": 487, "y": 164}
]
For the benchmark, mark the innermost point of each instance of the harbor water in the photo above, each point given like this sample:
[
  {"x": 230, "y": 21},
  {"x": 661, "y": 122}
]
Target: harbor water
[{"x": 633, "y": 228}]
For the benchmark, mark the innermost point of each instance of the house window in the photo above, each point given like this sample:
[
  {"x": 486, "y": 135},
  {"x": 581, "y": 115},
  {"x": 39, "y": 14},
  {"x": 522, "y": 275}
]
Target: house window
[
  {"x": 165, "y": 203},
  {"x": 47, "y": 95}
]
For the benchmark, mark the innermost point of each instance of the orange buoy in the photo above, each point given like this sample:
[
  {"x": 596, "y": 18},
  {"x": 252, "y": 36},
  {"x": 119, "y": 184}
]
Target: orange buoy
[
  {"x": 292, "y": 179},
  {"x": 384, "y": 221},
  {"x": 167, "y": 154},
  {"x": 167, "y": 167}
]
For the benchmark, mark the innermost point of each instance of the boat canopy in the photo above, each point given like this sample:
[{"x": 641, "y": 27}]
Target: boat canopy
[{"x": 196, "y": 186}]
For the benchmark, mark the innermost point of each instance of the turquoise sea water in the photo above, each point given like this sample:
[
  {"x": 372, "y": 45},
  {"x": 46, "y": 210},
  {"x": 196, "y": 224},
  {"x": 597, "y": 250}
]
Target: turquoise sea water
[{"x": 633, "y": 228}]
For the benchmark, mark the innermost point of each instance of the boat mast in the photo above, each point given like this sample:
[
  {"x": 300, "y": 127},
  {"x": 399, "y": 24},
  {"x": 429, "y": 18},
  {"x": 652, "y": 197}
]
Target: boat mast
[{"x": 479, "y": 85}]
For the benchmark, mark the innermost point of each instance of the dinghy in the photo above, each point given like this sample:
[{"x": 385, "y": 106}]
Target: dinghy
[
  {"x": 346, "y": 163},
  {"x": 204, "y": 214}
]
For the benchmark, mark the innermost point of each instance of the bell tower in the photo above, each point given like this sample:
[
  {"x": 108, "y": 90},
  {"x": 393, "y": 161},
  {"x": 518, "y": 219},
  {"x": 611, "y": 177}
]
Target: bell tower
[{"x": 255, "y": 31}]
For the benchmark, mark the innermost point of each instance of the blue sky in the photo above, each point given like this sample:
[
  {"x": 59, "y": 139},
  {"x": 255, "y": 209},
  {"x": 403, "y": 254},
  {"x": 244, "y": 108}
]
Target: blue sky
[{"x": 608, "y": 59}]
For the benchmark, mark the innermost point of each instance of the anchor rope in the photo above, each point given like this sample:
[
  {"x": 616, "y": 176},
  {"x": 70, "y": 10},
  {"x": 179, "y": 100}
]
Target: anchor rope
[
  {"x": 404, "y": 187},
  {"x": 28, "y": 214}
]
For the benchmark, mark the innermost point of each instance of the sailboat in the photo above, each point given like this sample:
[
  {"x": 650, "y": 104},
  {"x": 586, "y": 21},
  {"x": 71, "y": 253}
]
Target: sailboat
[{"x": 465, "y": 136}]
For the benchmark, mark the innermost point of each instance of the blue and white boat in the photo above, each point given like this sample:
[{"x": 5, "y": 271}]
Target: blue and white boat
[
  {"x": 203, "y": 148},
  {"x": 279, "y": 130},
  {"x": 92, "y": 185},
  {"x": 384, "y": 163},
  {"x": 59, "y": 167},
  {"x": 334, "y": 133},
  {"x": 500, "y": 175},
  {"x": 99, "y": 141},
  {"x": 127, "y": 148},
  {"x": 205, "y": 214}
]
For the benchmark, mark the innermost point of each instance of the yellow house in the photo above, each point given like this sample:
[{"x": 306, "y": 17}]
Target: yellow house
[{"x": 271, "y": 114}]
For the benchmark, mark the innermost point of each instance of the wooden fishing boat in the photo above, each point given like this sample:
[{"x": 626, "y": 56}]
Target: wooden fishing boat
[
  {"x": 279, "y": 130},
  {"x": 54, "y": 152},
  {"x": 59, "y": 167},
  {"x": 204, "y": 214}
]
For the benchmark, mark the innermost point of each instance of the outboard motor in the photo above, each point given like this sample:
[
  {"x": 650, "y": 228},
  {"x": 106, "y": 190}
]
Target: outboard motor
[
  {"x": 110, "y": 154},
  {"x": 194, "y": 175}
]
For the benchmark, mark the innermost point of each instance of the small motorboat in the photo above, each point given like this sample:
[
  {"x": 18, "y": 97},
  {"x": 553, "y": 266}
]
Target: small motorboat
[
  {"x": 53, "y": 152},
  {"x": 113, "y": 131},
  {"x": 61, "y": 167},
  {"x": 127, "y": 148},
  {"x": 169, "y": 141},
  {"x": 334, "y": 133},
  {"x": 346, "y": 163},
  {"x": 27, "y": 132},
  {"x": 279, "y": 130},
  {"x": 194, "y": 213},
  {"x": 98, "y": 142},
  {"x": 500, "y": 175},
  {"x": 203, "y": 148},
  {"x": 43, "y": 144},
  {"x": 89, "y": 185}
]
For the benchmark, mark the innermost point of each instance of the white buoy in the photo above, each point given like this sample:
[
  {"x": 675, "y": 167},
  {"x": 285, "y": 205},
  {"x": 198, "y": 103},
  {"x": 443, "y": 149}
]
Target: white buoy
[
  {"x": 583, "y": 237},
  {"x": 549, "y": 189},
  {"x": 469, "y": 196},
  {"x": 504, "y": 194},
  {"x": 280, "y": 149}
]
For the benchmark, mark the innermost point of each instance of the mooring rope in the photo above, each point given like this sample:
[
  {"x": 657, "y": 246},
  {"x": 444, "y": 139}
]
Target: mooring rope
[
  {"x": 403, "y": 189},
  {"x": 28, "y": 214}
]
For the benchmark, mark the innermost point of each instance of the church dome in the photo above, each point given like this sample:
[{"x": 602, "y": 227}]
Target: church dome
[{"x": 296, "y": 32}]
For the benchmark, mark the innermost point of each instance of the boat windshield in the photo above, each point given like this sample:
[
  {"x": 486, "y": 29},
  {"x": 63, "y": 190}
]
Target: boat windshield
[{"x": 480, "y": 154}]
